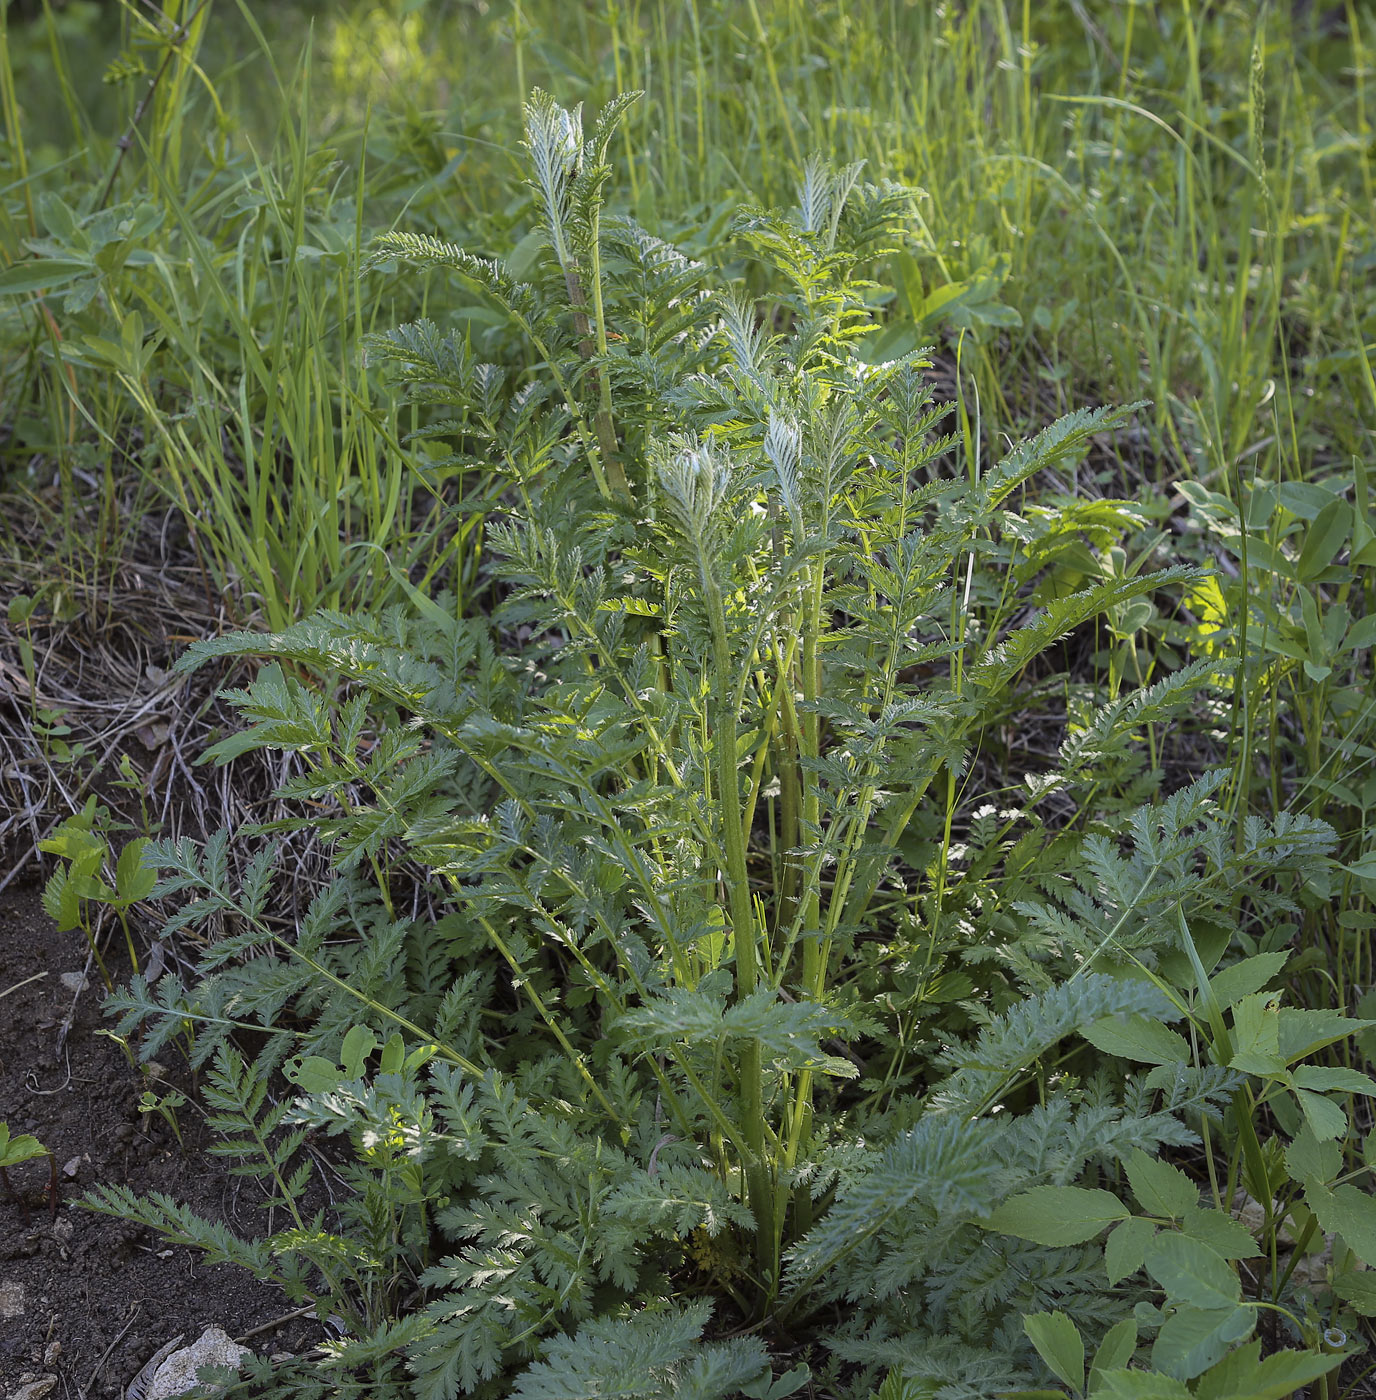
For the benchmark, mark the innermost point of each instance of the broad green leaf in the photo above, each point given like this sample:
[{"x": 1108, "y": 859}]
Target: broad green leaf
[
  {"x": 1323, "y": 1079},
  {"x": 1246, "y": 977},
  {"x": 1057, "y": 1215},
  {"x": 1347, "y": 1211},
  {"x": 1325, "y": 1118},
  {"x": 1303, "y": 1032},
  {"x": 898, "y": 338},
  {"x": 1357, "y": 1288},
  {"x": 1138, "y": 1038},
  {"x": 62, "y": 901},
  {"x": 1115, "y": 1351},
  {"x": 393, "y": 1055},
  {"x": 14, "y": 1150},
  {"x": 770, "y": 1387},
  {"x": 1139, "y": 1385},
  {"x": 359, "y": 1043},
  {"x": 1160, "y": 1188},
  {"x": 134, "y": 880},
  {"x": 1243, "y": 1376},
  {"x": 40, "y": 274},
  {"x": 1059, "y": 1344},
  {"x": 1362, "y": 634},
  {"x": 1227, "y": 1237},
  {"x": 1125, "y": 1250},
  {"x": 1311, "y": 1160},
  {"x": 1192, "y": 1338},
  {"x": 1324, "y": 538},
  {"x": 313, "y": 1074},
  {"x": 1192, "y": 1273},
  {"x": 897, "y": 1386},
  {"x": 909, "y": 283},
  {"x": 1256, "y": 1036}
]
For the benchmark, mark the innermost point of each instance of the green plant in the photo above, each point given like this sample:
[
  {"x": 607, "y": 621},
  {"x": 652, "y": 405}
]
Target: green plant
[
  {"x": 82, "y": 844},
  {"x": 714, "y": 1003},
  {"x": 14, "y": 1151},
  {"x": 165, "y": 1106}
]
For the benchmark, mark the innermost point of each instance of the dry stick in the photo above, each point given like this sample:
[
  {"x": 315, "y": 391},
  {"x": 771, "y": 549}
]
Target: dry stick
[
  {"x": 105, "y": 1355},
  {"x": 276, "y": 1322},
  {"x": 37, "y": 977}
]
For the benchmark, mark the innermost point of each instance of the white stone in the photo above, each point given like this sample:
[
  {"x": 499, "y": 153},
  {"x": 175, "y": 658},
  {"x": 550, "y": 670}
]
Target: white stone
[
  {"x": 11, "y": 1300},
  {"x": 178, "y": 1373}
]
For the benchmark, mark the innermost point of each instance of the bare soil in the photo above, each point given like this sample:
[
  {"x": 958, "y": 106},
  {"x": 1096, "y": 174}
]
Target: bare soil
[{"x": 85, "y": 1298}]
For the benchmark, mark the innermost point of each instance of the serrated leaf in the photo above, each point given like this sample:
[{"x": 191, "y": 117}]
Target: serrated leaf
[
  {"x": 1125, "y": 1250},
  {"x": 1311, "y": 1160},
  {"x": 1256, "y": 1036},
  {"x": 1242, "y": 1376},
  {"x": 1302, "y": 1032},
  {"x": 1227, "y": 1237},
  {"x": 1245, "y": 978},
  {"x": 1139, "y": 1385},
  {"x": 133, "y": 881},
  {"x": 1357, "y": 1288},
  {"x": 1192, "y": 1338},
  {"x": 1192, "y": 1273},
  {"x": 1059, "y": 1344},
  {"x": 1323, "y": 1079},
  {"x": 1138, "y": 1038},
  {"x": 1115, "y": 1351},
  {"x": 1160, "y": 1188},
  {"x": 1057, "y": 1215},
  {"x": 19, "y": 1149},
  {"x": 1347, "y": 1211},
  {"x": 1325, "y": 1119}
]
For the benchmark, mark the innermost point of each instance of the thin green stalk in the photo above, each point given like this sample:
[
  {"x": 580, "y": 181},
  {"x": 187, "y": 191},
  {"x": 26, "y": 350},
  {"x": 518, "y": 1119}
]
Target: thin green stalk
[{"x": 759, "y": 1176}]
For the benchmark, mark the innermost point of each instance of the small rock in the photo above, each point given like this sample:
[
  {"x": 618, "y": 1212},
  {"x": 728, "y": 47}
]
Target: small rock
[
  {"x": 35, "y": 1390},
  {"x": 52, "y": 1353},
  {"x": 11, "y": 1300},
  {"x": 71, "y": 1167},
  {"x": 178, "y": 1373},
  {"x": 74, "y": 981},
  {"x": 63, "y": 1227},
  {"x": 154, "y": 1070}
]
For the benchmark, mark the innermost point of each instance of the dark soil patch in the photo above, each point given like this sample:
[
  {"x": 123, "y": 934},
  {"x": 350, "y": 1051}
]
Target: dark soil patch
[{"x": 93, "y": 1295}]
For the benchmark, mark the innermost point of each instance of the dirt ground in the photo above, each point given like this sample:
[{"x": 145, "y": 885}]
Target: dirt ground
[{"x": 84, "y": 1298}]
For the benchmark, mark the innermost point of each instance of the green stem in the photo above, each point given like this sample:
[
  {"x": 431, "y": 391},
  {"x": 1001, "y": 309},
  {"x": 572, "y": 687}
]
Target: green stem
[
  {"x": 758, "y": 1179},
  {"x": 556, "y": 1030}
]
